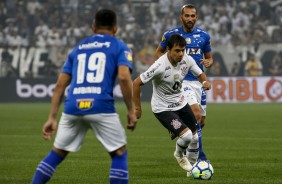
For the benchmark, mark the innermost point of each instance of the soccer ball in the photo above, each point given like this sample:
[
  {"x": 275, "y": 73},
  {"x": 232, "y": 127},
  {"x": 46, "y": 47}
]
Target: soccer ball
[{"x": 202, "y": 170}]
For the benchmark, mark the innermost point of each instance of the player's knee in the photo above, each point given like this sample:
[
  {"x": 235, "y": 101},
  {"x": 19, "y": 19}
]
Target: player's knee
[
  {"x": 203, "y": 121},
  {"x": 197, "y": 113},
  {"x": 118, "y": 152}
]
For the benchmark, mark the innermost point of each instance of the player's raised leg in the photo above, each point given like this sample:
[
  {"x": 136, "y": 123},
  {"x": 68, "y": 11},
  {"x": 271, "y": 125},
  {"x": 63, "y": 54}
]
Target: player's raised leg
[
  {"x": 192, "y": 151},
  {"x": 181, "y": 145}
]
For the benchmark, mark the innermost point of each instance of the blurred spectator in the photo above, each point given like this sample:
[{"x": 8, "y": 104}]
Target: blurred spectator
[
  {"x": 32, "y": 6},
  {"x": 276, "y": 65},
  {"x": 235, "y": 69},
  {"x": 145, "y": 58},
  {"x": 276, "y": 36},
  {"x": 41, "y": 28},
  {"x": 13, "y": 38},
  {"x": 215, "y": 70},
  {"x": 253, "y": 66},
  {"x": 6, "y": 65}
]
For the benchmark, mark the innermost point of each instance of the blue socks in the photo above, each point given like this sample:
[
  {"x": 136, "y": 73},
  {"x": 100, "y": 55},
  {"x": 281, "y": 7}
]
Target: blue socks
[
  {"x": 119, "y": 169},
  {"x": 202, "y": 155},
  {"x": 46, "y": 168}
]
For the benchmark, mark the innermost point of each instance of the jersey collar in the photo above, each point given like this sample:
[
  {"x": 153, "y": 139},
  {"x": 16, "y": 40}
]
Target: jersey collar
[{"x": 183, "y": 32}]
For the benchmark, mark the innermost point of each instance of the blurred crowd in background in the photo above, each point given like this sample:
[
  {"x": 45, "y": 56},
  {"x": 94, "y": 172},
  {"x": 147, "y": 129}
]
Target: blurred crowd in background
[{"x": 57, "y": 25}]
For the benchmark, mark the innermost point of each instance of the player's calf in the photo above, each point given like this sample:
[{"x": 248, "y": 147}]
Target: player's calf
[
  {"x": 192, "y": 151},
  {"x": 119, "y": 169}
]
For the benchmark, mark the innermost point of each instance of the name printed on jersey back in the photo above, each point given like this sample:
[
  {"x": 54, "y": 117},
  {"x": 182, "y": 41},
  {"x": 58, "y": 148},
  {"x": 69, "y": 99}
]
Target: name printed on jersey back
[
  {"x": 94, "y": 45},
  {"x": 87, "y": 90}
]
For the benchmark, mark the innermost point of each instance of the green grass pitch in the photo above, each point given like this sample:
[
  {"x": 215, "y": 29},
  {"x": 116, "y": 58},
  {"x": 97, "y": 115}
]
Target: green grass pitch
[{"x": 242, "y": 141}]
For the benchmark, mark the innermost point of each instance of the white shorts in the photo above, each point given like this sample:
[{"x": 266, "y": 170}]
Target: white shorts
[
  {"x": 107, "y": 128},
  {"x": 193, "y": 92}
]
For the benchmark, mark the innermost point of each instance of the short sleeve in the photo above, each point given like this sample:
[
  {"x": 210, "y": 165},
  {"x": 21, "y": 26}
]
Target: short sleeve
[
  {"x": 154, "y": 70},
  {"x": 125, "y": 56}
]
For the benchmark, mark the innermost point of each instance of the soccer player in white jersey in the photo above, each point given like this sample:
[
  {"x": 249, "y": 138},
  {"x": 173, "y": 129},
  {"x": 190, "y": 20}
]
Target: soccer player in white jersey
[
  {"x": 168, "y": 102},
  {"x": 90, "y": 70},
  {"x": 198, "y": 47}
]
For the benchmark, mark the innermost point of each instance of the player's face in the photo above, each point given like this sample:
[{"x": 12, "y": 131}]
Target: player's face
[
  {"x": 175, "y": 54},
  {"x": 188, "y": 18}
]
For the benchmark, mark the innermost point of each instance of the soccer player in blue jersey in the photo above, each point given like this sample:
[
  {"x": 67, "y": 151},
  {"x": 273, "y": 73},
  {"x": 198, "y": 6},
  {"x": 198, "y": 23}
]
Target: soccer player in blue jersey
[
  {"x": 90, "y": 70},
  {"x": 197, "y": 46}
]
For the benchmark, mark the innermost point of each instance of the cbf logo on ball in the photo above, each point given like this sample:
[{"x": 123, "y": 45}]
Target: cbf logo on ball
[{"x": 273, "y": 89}]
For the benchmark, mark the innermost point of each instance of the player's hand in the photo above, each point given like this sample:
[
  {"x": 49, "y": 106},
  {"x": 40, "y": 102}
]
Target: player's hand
[
  {"x": 207, "y": 62},
  {"x": 138, "y": 112},
  {"x": 207, "y": 85},
  {"x": 49, "y": 128},
  {"x": 131, "y": 120}
]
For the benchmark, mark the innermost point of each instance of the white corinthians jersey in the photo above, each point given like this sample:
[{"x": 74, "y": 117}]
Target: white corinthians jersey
[{"x": 167, "y": 82}]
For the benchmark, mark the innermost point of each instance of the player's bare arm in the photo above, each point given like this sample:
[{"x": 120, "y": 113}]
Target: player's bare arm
[
  {"x": 160, "y": 51},
  {"x": 208, "y": 61},
  {"x": 50, "y": 126},
  {"x": 126, "y": 89},
  {"x": 203, "y": 79},
  {"x": 136, "y": 94}
]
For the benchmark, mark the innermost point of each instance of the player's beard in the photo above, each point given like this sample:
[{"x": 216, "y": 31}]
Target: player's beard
[{"x": 189, "y": 25}]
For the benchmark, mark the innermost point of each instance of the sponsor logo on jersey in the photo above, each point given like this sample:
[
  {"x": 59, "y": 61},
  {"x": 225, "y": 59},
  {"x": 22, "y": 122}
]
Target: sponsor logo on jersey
[
  {"x": 94, "y": 45},
  {"x": 186, "y": 88},
  {"x": 177, "y": 103},
  {"x": 182, "y": 63},
  {"x": 196, "y": 36},
  {"x": 150, "y": 72},
  {"x": 84, "y": 104},
  {"x": 193, "y": 51},
  {"x": 188, "y": 40},
  {"x": 176, "y": 76},
  {"x": 176, "y": 124},
  {"x": 184, "y": 70},
  {"x": 167, "y": 68},
  {"x": 128, "y": 55},
  {"x": 173, "y": 105},
  {"x": 163, "y": 38}
]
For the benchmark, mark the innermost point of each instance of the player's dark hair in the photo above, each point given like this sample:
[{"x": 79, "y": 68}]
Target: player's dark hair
[
  {"x": 190, "y": 6},
  {"x": 105, "y": 18},
  {"x": 176, "y": 39}
]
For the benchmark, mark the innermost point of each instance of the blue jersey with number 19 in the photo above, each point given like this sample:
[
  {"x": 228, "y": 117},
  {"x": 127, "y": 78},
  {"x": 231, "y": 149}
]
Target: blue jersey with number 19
[{"x": 93, "y": 66}]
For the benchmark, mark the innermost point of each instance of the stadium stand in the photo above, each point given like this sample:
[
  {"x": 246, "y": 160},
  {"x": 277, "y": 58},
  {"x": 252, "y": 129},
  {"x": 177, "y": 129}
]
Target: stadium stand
[{"x": 56, "y": 25}]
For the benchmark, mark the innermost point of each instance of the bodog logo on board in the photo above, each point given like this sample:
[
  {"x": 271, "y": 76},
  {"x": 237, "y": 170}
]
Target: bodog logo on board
[
  {"x": 273, "y": 89},
  {"x": 84, "y": 104}
]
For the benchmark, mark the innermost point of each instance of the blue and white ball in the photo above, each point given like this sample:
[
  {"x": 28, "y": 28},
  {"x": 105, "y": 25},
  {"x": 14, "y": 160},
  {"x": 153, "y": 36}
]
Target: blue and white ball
[{"x": 202, "y": 170}]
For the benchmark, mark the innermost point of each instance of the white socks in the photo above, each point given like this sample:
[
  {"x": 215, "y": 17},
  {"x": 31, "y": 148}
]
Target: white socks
[
  {"x": 193, "y": 149},
  {"x": 182, "y": 143}
]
